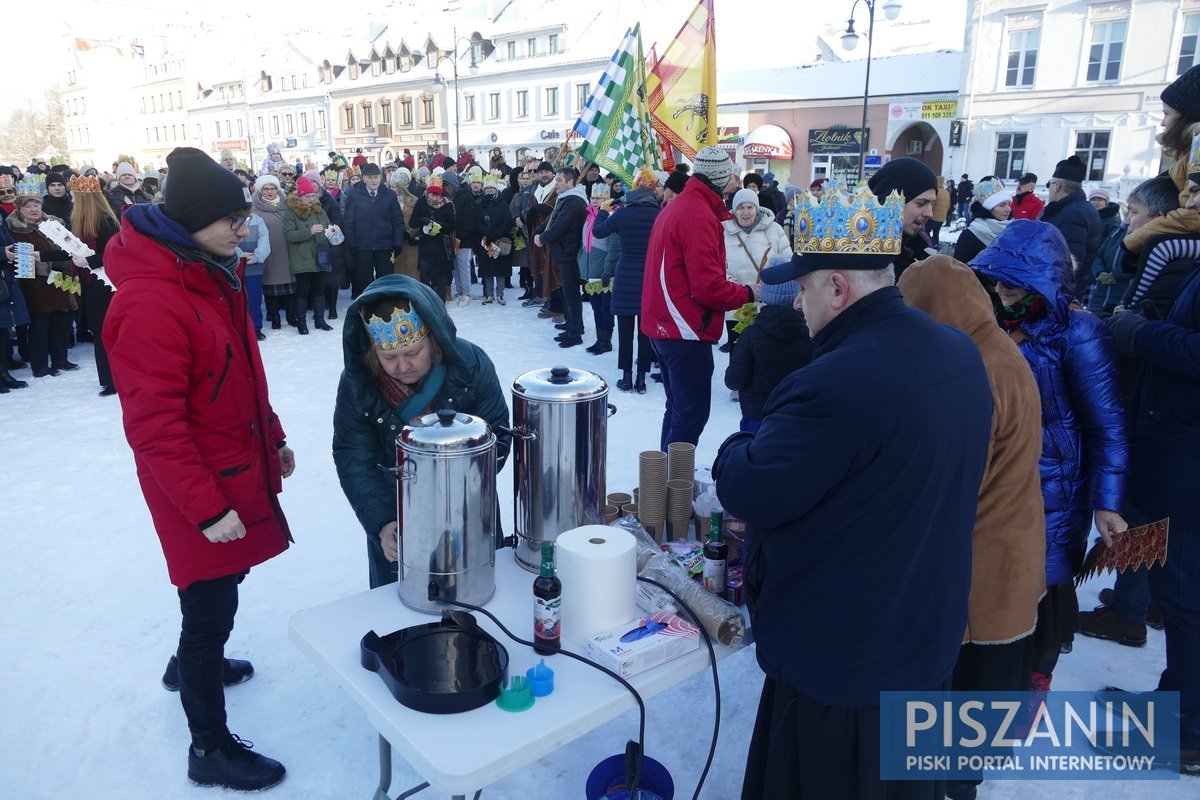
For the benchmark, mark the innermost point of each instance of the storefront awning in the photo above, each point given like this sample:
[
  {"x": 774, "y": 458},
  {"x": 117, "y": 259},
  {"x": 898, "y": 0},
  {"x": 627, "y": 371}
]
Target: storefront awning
[{"x": 768, "y": 141}]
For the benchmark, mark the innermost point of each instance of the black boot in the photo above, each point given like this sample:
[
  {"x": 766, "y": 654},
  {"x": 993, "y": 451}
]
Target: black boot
[
  {"x": 603, "y": 342},
  {"x": 7, "y": 381},
  {"x": 625, "y": 384},
  {"x": 233, "y": 765},
  {"x": 234, "y": 671},
  {"x": 301, "y": 307},
  {"x": 732, "y": 337},
  {"x": 640, "y": 385},
  {"x": 319, "y": 316},
  {"x": 331, "y": 294},
  {"x": 289, "y": 306}
]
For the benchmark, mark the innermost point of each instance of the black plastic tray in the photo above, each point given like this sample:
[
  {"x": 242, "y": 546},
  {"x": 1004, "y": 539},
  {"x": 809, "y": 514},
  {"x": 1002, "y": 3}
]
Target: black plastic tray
[{"x": 443, "y": 667}]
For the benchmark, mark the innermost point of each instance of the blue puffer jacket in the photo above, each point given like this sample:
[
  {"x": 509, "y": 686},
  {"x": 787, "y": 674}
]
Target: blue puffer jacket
[
  {"x": 1085, "y": 451},
  {"x": 633, "y": 223}
]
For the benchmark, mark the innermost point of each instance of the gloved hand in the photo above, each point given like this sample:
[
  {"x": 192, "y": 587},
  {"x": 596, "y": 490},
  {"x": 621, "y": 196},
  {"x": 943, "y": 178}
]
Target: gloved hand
[
  {"x": 1106, "y": 278},
  {"x": 606, "y": 279},
  {"x": 1123, "y": 328}
]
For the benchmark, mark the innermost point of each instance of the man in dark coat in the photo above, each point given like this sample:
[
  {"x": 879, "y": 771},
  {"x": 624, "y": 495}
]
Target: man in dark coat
[
  {"x": 769, "y": 197},
  {"x": 373, "y": 222},
  {"x": 563, "y": 234},
  {"x": 210, "y": 452},
  {"x": 1164, "y": 465},
  {"x": 1076, "y": 218},
  {"x": 917, "y": 184},
  {"x": 859, "y": 492},
  {"x": 966, "y": 193}
]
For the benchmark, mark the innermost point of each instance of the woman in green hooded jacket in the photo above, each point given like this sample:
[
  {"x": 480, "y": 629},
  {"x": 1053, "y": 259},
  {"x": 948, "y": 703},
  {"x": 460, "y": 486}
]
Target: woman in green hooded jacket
[{"x": 394, "y": 373}]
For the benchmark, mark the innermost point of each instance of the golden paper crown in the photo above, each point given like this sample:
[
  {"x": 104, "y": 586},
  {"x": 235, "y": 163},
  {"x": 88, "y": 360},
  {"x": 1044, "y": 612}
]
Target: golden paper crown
[
  {"x": 1193, "y": 166},
  {"x": 403, "y": 329},
  {"x": 858, "y": 225},
  {"x": 493, "y": 180},
  {"x": 83, "y": 184}
]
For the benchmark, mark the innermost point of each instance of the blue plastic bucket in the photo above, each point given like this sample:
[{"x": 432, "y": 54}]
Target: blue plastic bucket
[{"x": 607, "y": 781}]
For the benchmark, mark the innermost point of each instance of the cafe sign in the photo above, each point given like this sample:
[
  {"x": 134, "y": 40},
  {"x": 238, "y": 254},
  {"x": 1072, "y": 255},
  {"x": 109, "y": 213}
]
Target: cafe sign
[{"x": 838, "y": 140}]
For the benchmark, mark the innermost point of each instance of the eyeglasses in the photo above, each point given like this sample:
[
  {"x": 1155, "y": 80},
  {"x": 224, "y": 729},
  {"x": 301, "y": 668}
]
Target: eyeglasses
[
  {"x": 237, "y": 221},
  {"x": 8, "y": 191}
]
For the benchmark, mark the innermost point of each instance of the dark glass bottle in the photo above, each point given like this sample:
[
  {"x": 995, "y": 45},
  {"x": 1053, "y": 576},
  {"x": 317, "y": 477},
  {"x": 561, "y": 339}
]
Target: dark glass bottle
[
  {"x": 716, "y": 556},
  {"x": 547, "y": 603}
]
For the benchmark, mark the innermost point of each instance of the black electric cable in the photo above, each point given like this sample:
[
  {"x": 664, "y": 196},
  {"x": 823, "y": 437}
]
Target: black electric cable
[
  {"x": 712, "y": 660},
  {"x": 637, "y": 767}
]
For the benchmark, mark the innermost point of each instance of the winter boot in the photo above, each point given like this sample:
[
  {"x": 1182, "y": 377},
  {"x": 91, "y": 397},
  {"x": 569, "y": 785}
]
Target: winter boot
[
  {"x": 301, "y": 310},
  {"x": 500, "y": 295},
  {"x": 7, "y": 381},
  {"x": 331, "y": 297},
  {"x": 289, "y": 307},
  {"x": 1153, "y": 615},
  {"x": 236, "y": 671},
  {"x": 233, "y": 765},
  {"x": 603, "y": 342},
  {"x": 1105, "y": 623},
  {"x": 640, "y": 385},
  {"x": 732, "y": 337},
  {"x": 625, "y": 384},
  {"x": 319, "y": 314}
]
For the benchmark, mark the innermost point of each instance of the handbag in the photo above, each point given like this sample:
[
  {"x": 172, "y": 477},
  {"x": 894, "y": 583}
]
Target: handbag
[
  {"x": 505, "y": 244},
  {"x": 324, "y": 257}
]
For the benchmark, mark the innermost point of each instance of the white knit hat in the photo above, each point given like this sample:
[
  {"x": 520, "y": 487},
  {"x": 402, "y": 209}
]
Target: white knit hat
[
  {"x": 745, "y": 196},
  {"x": 264, "y": 180}
]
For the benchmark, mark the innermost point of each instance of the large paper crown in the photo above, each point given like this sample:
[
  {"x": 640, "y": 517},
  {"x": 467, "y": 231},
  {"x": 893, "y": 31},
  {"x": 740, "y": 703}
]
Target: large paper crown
[
  {"x": 403, "y": 329},
  {"x": 83, "y": 184},
  {"x": 31, "y": 186},
  {"x": 858, "y": 225},
  {"x": 494, "y": 180},
  {"x": 1193, "y": 166}
]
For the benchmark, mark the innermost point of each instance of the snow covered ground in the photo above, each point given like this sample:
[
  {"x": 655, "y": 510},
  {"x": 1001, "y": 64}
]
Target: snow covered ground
[{"x": 90, "y": 618}]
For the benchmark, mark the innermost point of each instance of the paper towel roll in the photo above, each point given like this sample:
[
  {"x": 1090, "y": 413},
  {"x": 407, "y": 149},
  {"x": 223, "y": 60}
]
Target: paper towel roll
[{"x": 598, "y": 569}]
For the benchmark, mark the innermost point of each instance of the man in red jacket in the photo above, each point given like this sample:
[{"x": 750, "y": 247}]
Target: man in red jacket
[
  {"x": 1026, "y": 204},
  {"x": 685, "y": 293},
  {"x": 209, "y": 450}
]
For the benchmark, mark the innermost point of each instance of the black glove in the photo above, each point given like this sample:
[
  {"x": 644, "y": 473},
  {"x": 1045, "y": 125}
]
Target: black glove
[
  {"x": 1123, "y": 327},
  {"x": 396, "y": 252},
  {"x": 606, "y": 279}
]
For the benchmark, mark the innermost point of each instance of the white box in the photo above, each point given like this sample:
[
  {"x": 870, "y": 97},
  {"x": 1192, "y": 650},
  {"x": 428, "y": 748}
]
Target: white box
[{"x": 669, "y": 637}]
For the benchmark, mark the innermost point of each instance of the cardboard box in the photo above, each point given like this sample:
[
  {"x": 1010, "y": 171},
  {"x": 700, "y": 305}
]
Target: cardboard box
[{"x": 644, "y": 643}]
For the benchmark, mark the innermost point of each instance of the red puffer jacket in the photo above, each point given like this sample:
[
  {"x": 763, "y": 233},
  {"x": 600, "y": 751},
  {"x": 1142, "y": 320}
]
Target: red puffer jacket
[
  {"x": 194, "y": 400},
  {"x": 685, "y": 290}
]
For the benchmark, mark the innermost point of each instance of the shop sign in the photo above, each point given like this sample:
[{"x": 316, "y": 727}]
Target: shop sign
[
  {"x": 837, "y": 140},
  {"x": 728, "y": 138},
  {"x": 939, "y": 109}
]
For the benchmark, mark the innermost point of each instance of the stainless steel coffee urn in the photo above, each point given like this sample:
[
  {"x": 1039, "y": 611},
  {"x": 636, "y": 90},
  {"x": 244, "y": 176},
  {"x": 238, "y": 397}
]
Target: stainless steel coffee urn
[
  {"x": 446, "y": 506},
  {"x": 558, "y": 480}
]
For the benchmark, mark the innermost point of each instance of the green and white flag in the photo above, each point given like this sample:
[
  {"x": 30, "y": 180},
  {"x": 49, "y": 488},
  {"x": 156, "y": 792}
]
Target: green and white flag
[{"x": 615, "y": 122}]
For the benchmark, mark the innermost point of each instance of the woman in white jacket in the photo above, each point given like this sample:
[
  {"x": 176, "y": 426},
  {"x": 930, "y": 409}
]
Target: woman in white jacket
[{"x": 753, "y": 239}]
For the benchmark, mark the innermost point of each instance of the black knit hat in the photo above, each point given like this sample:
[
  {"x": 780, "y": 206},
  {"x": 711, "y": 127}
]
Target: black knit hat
[
  {"x": 55, "y": 177},
  {"x": 676, "y": 181},
  {"x": 1028, "y": 177},
  {"x": 1070, "y": 169},
  {"x": 201, "y": 191},
  {"x": 545, "y": 166},
  {"x": 906, "y": 175},
  {"x": 1184, "y": 94},
  {"x": 370, "y": 169}
]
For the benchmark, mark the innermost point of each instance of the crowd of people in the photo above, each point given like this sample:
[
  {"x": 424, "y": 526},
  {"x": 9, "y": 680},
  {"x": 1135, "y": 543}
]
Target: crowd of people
[{"x": 925, "y": 441}]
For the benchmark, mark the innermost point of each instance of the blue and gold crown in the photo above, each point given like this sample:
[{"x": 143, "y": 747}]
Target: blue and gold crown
[
  {"x": 403, "y": 329},
  {"x": 841, "y": 225},
  {"x": 31, "y": 186},
  {"x": 1193, "y": 167}
]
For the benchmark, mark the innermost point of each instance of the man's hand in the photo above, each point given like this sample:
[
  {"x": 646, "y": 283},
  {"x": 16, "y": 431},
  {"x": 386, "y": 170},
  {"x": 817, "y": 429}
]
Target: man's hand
[
  {"x": 391, "y": 546},
  {"x": 1110, "y": 523},
  {"x": 1123, "y": 327},
  {"x": 287, "y": 461},
  {"x": 227, "y": 529},
  {"x": 10, "y": 252}
]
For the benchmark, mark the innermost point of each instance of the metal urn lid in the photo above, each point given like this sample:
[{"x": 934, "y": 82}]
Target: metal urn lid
[
  {"x": 560, "y": 385},
  {"x": 446, "y": 431}
]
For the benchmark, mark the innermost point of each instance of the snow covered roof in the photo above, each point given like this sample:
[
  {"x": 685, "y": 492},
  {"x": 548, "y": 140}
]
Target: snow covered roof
[{"x": 917, "y": 73}]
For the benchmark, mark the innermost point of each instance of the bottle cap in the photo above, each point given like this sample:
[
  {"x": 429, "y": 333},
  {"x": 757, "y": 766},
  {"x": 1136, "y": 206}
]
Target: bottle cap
[
  {"x": 541, "y": 679},
  {"x": 515, "y": 696}
]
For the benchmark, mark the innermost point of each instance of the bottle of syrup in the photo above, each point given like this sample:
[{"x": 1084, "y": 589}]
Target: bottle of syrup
[
  {"x": 547, "y": 604},
  {"x": 716, "y": 556}
]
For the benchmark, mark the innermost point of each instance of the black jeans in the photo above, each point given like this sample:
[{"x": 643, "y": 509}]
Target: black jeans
[
  {"x": 96, "y": 298},
  {"x": 208, "y": 608},
  {"x": 49, "y": 337},
  {"x": 627, "y": 328},
  {"x": 368, "y": 265},
  {"x": 572, "y": 301}
]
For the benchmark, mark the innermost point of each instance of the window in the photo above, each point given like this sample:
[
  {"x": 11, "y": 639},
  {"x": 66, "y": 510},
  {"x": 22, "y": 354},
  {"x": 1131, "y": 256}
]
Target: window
[
  {"x": 581, "y": 96},
  {"x": 320, "y": 118},
  {"x": 259, "y": 124},
  {"x": 348, "y": 118},
  {"x": 241, "y": 131},
  {"x": 376, "y": 67},
  {"x": 468, "y": 108},
  {"x": 1092, "y": 149},
  {"x": 1022, "y": 57},
  {"x": 1010, "y": 155},
  {"x": 1187, "y": 51},
  {"x": 368, "y": 118},
  {"x": 522, "y": 104},
  {"x": 217, "y": 128},
  {"x": 228, "y": 129},
  {"x": 552, "y": 101},
  {"x": 390, "y": 66},
  {"x": 406, "y": 118},
  {"x": 532, "y": 46},
  {"x": 303, "y": 122},
  {"x": 288, "y": 120},
  {"x": 404, "y": 63},
  {"x": 274, "y": 124},
  {"x": 553, "y": 43},
  {"x": 494, "y": 105},
  {"x": 427, "y": 110},
  {"x": 385, "y": 112},
  {"x": 1104, "y": 57},
  {"x": 512, "y": 51}
]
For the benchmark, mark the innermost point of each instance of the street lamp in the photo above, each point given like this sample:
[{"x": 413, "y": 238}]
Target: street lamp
[
  {"x": 439, "y": 83},
  {"x": 891, "y": 10}
]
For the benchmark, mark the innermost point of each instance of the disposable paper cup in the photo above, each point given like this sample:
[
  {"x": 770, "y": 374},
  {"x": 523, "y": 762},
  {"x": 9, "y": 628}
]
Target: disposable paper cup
[
  {"x": 678, "y": 527},
  {"x": 629, "y": 508},
  {"x": 679, "y": 498},
  {"x": 611, "y": 513},
  {"x": 619, "y": 499},
  {"x": 636, "y": 491},
  {"x": 681, "y": 461}
]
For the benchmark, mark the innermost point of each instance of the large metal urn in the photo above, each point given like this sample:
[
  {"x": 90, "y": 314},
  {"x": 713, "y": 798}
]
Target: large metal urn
[
  {"x": 559, "y": 473},
  {"x": 446, "y": 506}
]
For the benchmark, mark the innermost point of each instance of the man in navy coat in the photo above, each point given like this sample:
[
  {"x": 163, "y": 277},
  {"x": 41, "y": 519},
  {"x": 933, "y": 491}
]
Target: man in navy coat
[{"x": 859, "y": 492}]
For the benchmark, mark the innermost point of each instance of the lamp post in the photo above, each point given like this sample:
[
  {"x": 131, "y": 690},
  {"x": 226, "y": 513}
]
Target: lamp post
[
  {"x": 891, "y": 10},
  {"x": 439, "y": 83}
]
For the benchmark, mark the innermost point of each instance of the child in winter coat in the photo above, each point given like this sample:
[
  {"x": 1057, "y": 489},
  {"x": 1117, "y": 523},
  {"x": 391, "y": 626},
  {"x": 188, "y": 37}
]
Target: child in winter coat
[{"x": 775, "y": 346}]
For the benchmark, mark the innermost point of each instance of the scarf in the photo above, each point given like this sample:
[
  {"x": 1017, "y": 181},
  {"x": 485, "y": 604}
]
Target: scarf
[
  {"x": 1029, "y": 308},
  {"x": 410, "y": 401},
  {"x": 986, "y": 229},
  {"x": 588, "y": 224}
]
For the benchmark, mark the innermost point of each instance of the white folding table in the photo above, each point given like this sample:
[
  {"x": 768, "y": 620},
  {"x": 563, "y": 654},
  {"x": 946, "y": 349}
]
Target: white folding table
[{"x": 461, "y": 753}]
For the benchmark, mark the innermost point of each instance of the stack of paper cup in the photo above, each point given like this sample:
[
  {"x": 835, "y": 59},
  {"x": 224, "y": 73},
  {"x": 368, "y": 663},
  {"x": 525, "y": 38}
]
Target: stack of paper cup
[
  {"x": 681, "y": 461},
  {"x": 679, "y": 508},
  {"x": 652, "y": 487}
]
